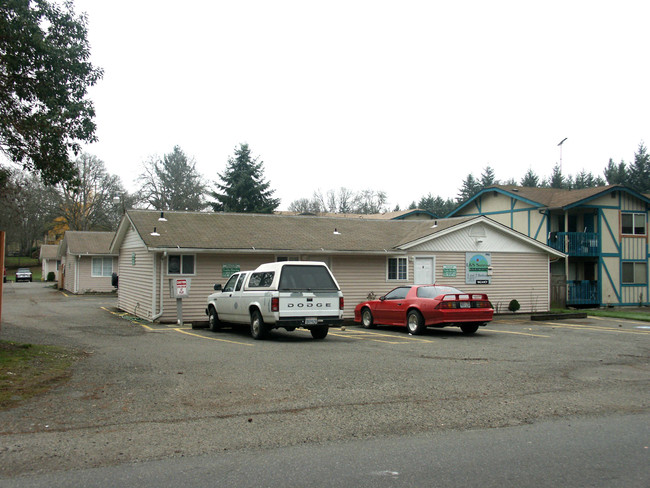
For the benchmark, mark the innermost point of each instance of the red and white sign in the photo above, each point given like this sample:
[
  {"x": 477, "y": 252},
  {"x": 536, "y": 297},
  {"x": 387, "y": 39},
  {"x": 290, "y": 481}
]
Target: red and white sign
[{"x": 181, "y": 288}]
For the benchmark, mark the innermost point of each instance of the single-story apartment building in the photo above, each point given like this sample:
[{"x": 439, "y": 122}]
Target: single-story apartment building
[
  {"x": 87, "y": 264},
  {"x": 367, "y": 256},
  {"x": 50, "y": 262}
]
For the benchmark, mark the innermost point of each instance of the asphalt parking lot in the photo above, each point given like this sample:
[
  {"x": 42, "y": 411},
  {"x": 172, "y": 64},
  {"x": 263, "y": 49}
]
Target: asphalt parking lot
[{"x": 150, "y": 391}]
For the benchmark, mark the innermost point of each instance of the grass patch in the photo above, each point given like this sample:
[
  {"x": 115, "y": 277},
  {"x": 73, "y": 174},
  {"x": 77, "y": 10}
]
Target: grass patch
[
  {"x": 635, "y": 314},
  {"x": 27, "y": 370}
]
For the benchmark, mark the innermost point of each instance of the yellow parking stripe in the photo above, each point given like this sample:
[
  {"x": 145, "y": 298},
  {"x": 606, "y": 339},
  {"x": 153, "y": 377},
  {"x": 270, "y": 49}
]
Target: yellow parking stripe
[
  {"x": 516, "y": 333},
  {"x": 624, "y": 321},
  {"x": 593, "y": 327},
  {"x": 212, "y": 338},
  {"x": 400, "y": 340}
]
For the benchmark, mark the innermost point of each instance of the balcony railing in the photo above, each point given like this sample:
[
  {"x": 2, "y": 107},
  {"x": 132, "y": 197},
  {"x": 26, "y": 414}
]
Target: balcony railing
[
  {"x": 582, "y": 292},
  {"x": 575, "y": 243}
]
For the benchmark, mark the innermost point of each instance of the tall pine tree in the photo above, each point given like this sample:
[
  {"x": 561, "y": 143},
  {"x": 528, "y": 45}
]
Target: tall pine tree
[{"x": 243, "y": 188}]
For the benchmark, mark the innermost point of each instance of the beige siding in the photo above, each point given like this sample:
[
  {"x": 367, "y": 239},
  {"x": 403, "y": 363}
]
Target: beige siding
[
  {"x": 611, "y": 264},
  {"x": 358, "y": 276},
  {"x": 69, "y": 283},
  {"x": 209, "y": 272},
  {"x": 47, "y": 266},
  {"x": 633, "y": 248},
  {"x": 609, "y": 241},
  {"x": 135, "y": 290},
  {"x": 88, "y": 283}
]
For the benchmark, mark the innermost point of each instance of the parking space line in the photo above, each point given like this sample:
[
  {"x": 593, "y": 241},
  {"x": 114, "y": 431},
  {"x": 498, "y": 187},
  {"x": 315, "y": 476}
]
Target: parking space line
[
  {"x": 180, "y": 331},
  {"x": 516, "y": 333},
  {"x": 593, "y": 327},
  {"x": 625, "y": 321},
  {"x": 355, "y": 334}
]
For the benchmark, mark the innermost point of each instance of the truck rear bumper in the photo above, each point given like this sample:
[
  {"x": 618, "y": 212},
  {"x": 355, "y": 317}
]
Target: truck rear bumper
[{"x": 302, "y": 322}]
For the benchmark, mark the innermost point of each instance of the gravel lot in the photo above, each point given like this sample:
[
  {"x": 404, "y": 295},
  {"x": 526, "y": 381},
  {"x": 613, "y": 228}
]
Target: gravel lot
[{"x": 151, "y": 391}]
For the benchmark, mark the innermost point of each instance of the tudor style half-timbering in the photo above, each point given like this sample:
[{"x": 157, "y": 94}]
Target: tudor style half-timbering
[{"x": 603, "y": 231}]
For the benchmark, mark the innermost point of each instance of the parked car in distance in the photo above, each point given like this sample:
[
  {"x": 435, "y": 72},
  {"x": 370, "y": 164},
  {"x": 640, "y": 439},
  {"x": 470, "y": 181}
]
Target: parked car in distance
[
  {"x": 23, "y": 274},
  {"x": 420, "y": 306}
]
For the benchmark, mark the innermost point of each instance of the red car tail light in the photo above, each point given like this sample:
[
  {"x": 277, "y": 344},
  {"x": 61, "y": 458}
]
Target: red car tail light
[
  {"x": 275, "y": 304},
  {"x": 341, "y": 303}
]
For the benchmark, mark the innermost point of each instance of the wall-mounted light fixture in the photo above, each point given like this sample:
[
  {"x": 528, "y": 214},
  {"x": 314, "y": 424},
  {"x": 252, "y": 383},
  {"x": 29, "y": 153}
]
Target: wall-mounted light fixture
[{"x": 154, "y": 233}]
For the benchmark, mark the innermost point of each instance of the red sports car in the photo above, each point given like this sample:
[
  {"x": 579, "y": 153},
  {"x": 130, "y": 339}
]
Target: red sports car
[{"x": 421, "y": 306}]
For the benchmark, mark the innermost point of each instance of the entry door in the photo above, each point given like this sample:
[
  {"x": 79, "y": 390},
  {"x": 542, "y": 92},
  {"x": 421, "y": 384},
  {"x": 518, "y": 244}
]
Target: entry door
[{"x": 423, "y": 271}]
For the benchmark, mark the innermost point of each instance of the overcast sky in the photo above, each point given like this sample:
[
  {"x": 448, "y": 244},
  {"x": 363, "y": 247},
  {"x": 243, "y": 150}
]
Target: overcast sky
[{"x": 407, "y": 97}]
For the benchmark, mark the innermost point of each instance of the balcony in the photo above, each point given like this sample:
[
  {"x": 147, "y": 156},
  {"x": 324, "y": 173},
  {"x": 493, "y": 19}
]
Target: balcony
[
  {"x": 582, "y": 293},
  {"x": 575, "y": 243}
]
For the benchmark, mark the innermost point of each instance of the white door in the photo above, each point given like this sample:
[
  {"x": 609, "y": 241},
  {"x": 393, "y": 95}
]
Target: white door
[{"x": 423, "y": 271}]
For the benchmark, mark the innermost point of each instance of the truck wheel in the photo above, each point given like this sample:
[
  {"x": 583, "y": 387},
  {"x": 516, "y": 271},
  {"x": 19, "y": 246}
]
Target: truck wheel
[
  {"x": 215, "y": 323},
  {"x": 415, "y": 322},
  {"x": 319, "y": 332},
  {"x": 258, "y": 327},
  {"x": 469, "y": 329},
  {"x": 367, "y": 320}
]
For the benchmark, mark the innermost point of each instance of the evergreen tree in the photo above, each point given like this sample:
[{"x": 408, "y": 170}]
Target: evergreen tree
[
  {"x": 437, "y": 205},
  {"x": 243, "y": 189},
  {"x": 616, "y": 174},
  {"x": 530, "y": 179},
  {"x": 639, "y": 172},
  {"x": 470, "y": 188},
  {"x": 557, "y": 179},
  {"x": 488, "y": 178}
]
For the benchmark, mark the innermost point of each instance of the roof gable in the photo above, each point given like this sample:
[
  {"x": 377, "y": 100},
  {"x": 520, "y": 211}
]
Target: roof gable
[{"x": 86, "y": 242}]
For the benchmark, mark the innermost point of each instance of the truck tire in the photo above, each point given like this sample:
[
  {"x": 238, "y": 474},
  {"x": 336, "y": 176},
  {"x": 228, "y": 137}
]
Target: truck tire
[
  {"x": 319, "y": 332},
  {"x": 258, "y": 327},
  {"x": 215, "y": 323}
]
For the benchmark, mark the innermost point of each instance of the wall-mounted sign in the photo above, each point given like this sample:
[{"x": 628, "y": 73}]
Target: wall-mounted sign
[
  {"x": 449, "y": 270},
  {"x": 478, "y": 268},
  {"x": 227, "y": 270}
]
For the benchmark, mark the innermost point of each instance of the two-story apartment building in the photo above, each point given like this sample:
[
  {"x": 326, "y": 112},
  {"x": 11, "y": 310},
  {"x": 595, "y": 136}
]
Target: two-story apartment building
[{"x": 603, "y": 231}]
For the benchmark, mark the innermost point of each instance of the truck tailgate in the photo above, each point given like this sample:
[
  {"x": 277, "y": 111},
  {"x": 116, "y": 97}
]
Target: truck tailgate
[{"x": 308, "y": 304}]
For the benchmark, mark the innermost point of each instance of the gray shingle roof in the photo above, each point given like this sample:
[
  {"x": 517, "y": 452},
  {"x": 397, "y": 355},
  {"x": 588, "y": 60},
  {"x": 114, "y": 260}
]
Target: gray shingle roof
[
  {"x": 85, "y": 242},
  {"x": 49, "y": 251},
  {"x": 229, "y": 231}
]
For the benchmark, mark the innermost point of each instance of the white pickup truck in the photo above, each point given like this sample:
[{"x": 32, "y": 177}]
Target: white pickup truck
[{"x": 286, "y": 294}]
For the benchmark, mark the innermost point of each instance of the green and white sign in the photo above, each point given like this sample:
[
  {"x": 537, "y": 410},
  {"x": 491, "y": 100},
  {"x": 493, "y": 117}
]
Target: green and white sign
[
  {"x": 227, "y": 270},
  {"x": 478, "y": 268},
  {"x": 449, "y": 270}
]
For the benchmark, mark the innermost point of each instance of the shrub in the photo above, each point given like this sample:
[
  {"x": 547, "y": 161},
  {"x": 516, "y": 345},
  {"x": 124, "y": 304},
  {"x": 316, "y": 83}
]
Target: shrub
[
  {"x": 50, "y": 276},
  {"x": 513, "y": 306}
]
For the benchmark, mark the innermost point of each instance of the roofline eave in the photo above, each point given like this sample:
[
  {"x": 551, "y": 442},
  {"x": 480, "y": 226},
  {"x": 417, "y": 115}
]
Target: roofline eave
[{"x": 254, "y": 250}]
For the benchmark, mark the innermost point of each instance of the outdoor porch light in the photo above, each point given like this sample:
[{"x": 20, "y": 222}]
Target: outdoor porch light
[
  {"x": 162, "y": 217},
  {"x": 154, "y": 233}
]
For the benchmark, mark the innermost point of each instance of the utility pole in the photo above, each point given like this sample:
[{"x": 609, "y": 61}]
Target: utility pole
[{"x": 560, "y": 144}]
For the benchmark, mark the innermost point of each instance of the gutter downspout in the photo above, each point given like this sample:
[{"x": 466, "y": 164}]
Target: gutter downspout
[
  {"x": 153, "y": 294},
  {"x": 76, "y": 275}
]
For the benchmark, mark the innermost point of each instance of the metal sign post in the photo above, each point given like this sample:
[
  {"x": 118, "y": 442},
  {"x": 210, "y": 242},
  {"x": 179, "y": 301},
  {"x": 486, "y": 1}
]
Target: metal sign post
[{"x": 179, "y": 288}]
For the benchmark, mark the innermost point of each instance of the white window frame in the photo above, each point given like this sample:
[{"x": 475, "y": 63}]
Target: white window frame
[
  {"x": 103, "y": 267},
  {"x": 180, "y": 269},
  {"x": 398, "y": 259},
  {"x": 635, "y": 216}
]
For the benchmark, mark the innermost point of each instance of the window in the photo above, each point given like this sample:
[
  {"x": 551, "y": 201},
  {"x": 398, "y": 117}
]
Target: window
[
  {"x": 180, "y": 264},
  {"x": 398, "y": 293},
  {"x": 262, "y": 279},
  {"x": 230, "y": 285},
  {"x": 314, "y": 278},
  {"x": 281, "y": 259},
  {"x": 102, "y": 267},
  {"x": 240, "y": 281},
  {"x": 633, "y": 224},
  {"x": 635, "y": 273},
  {"x": 397, "y": 269}
]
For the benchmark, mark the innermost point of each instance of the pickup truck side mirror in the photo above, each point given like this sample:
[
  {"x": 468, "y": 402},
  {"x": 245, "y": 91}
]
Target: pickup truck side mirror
[{"x": 217, "y": 287}]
